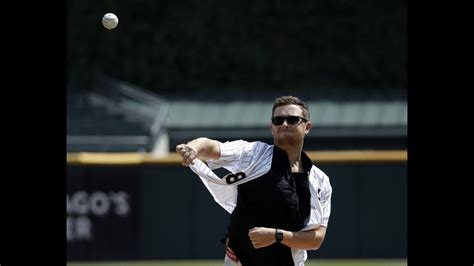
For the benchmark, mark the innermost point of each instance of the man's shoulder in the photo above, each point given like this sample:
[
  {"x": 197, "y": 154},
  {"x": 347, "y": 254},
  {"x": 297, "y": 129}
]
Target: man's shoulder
[
  {"x": 262, "y": 150},
  {"x": 247, "y": 143},
  {"x": 319, "y": 179},
  {"x": 317, "y": 173},
  {"x": 256, "y": 145},
  {"x": 263, "y": 144}
]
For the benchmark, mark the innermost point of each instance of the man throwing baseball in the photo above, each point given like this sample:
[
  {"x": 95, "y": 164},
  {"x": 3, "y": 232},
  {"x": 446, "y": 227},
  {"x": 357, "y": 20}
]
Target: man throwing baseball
[{"x": 279, "y": 202}]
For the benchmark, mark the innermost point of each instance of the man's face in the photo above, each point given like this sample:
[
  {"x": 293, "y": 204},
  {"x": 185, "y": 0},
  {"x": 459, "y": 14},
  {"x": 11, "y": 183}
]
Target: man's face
[{"x": 287, "y": 135}]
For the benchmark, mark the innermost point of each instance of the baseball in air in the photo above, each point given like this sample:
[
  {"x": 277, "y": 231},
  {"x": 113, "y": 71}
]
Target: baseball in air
[{"x": 110, "y": 21}]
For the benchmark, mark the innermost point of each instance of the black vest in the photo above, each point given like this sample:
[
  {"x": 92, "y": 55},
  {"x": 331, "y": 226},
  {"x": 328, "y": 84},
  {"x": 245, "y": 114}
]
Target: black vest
[{"x": 278, "y": 199}]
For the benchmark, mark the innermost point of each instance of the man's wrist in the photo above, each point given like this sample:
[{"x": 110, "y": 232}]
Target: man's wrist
[{"x": 278, "y": 235}]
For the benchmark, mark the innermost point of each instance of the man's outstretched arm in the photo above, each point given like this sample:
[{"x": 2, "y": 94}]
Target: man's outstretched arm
[{"x": 202, "y": 148}]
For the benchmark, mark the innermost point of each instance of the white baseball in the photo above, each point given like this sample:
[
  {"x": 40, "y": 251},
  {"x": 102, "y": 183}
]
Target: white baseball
[{"x": 110, "y": 21}]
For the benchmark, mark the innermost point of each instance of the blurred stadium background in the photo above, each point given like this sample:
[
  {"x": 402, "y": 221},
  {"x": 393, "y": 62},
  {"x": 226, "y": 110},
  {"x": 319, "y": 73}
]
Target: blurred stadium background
[{"x": 174, "y": 71}]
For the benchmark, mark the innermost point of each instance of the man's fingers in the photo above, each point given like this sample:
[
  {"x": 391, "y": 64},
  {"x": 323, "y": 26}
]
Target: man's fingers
[
  {"x": 189, "y": 161},
  {"x": 180, "y": 149},
  {"x": 187, "y": 154}
]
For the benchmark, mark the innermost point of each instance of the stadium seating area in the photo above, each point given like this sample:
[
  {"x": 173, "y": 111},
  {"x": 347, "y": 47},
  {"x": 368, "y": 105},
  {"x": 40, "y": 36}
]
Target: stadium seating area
[
  {"x": 94, "y": 128},
  {"x": 120, "y": 117}
]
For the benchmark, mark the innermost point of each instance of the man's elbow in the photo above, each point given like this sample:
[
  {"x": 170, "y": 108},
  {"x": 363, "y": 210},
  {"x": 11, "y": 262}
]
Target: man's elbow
[
  {"x": 316, "y": 243},
  {"x": 318, "y": 238},
  {"x": 316, "y": 246}
]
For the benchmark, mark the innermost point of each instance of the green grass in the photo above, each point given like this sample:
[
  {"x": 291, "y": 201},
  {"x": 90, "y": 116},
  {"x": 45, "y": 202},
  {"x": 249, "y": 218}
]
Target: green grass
[{"x": 329, "y": 262}]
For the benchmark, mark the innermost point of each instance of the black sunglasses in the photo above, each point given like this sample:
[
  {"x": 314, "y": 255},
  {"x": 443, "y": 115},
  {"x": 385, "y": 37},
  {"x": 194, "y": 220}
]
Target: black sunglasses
[{"x": 291, "y": 120}]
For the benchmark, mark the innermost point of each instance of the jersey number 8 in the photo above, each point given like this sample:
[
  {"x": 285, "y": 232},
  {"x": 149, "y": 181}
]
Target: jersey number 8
[{"x": 232, "y": 178}]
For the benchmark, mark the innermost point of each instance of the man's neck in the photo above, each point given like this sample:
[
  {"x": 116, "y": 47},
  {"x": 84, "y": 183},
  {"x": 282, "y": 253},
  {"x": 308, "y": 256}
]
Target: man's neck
[{"x": 294, "y": 158}]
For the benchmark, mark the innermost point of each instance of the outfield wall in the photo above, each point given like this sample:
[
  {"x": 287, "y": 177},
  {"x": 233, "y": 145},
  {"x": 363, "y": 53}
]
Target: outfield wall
[{"x": 136, "y": 206}]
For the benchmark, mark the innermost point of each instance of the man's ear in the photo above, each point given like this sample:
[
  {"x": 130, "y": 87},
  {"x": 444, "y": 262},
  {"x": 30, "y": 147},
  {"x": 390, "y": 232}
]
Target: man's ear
[{"x": 308, "y": 127}]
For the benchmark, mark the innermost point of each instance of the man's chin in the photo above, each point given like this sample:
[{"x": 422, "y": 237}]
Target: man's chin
[{"x": 285, "y": 142}]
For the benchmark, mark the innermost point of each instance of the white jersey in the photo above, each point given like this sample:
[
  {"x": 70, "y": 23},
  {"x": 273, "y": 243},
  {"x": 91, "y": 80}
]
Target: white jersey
[{"x": 254, "y": 159}]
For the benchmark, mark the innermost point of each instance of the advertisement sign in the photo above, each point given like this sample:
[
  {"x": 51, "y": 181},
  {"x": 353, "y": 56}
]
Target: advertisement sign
[{"x": 101, "y": 208}]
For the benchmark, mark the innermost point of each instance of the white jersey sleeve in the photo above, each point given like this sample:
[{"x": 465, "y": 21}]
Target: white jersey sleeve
[
  {"x": 325, "y": 201},
  {"x": 321, "y": 192},
  {"x": 240, "y": 156}
]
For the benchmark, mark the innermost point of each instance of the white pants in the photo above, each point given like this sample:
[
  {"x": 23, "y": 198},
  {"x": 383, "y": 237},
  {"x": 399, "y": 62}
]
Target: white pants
[{"x": 230, "y": 259}]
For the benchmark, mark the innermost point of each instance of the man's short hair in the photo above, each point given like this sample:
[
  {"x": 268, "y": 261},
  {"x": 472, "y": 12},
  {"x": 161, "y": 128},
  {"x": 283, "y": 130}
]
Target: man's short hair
[{"x": 287, "y": 100}]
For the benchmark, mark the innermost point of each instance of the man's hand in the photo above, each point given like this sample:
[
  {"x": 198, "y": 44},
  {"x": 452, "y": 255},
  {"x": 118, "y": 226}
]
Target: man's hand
[
  {"x": 262, "y": 237},
  {"x": 187, "y": 153}
]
